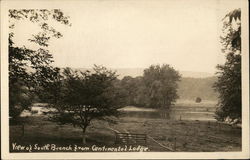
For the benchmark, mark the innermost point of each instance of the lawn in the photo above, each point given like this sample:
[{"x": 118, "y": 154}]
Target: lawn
[{"x": 178, "y": 135}]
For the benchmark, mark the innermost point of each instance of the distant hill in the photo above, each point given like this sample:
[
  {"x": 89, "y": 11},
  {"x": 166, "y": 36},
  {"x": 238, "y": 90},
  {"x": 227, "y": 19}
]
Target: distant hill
[
  {"x": 134, "y": 72},
  {"x": 195, "y": 74},
  {"x": 190, "y": 88}
]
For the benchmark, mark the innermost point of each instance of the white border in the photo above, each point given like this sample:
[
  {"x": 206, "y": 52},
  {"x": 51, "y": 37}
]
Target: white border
[{"x": 5, "y": 5}]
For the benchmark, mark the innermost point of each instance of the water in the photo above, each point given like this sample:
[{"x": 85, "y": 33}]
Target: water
[
  {"x": 176, "y": 113},
  {"x": 184, "y": 110}
]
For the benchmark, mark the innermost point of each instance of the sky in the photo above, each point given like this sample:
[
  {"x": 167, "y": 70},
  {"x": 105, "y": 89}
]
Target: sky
[{"x": 138, "y": 33}]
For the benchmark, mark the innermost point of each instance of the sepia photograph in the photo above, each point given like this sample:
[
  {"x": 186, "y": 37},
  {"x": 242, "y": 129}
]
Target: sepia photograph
[{"x": 107, "y": 79}]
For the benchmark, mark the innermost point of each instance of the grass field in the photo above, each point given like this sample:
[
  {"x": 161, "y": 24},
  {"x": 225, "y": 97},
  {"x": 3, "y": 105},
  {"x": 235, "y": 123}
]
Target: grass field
[{"x": 180, "y": 135}]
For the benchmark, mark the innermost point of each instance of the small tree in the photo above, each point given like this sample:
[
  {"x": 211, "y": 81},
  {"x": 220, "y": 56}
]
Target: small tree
[{"x": 84, "y": 96}]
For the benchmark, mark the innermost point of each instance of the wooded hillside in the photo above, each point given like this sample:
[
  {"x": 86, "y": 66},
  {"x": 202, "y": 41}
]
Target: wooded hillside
[{"x": 190, "y": 88}]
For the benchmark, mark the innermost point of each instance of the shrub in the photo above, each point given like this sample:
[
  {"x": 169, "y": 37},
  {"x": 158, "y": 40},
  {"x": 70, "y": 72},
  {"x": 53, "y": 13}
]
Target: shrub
[{"x": 198, "y": 100}]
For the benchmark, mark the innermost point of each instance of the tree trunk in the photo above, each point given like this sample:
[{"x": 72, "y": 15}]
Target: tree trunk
[{"x": 84, "y": 136}]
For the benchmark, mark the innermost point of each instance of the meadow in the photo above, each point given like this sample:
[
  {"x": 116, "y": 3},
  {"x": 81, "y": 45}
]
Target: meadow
[{"x": 164, "y": 134}]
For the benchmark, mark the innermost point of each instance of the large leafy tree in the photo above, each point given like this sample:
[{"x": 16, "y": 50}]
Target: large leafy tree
[
  {"x": 80, "y": 97},
  {"x": 229, "y": 74},
  {"x": 160, "y": 85},
  {"x": 28, "y": 68},
  {"x": 157, "y": 88}
]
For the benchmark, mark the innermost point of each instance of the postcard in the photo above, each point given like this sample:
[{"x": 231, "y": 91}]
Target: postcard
[{"x": 124, "y": 79}]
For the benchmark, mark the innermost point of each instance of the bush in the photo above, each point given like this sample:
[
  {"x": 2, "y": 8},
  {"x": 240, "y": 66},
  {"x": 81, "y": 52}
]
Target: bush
[{"x": 198, "y": 100}]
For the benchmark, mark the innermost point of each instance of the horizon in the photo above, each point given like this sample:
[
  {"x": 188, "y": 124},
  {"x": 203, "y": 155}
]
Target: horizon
[{"x": 139, "y": 72}]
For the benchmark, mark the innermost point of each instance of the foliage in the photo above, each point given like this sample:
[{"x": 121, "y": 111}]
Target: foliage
[
  {"x": 229, "y": 74},
  {"x": 129, "y": 88},
  {"x": 157, "y": 88},
  {"x": 231, "y": 37},
  {"x": 83, "y": 96},
  {"x": 26, "y": 64},
  {"x": 161, "y": 85}
]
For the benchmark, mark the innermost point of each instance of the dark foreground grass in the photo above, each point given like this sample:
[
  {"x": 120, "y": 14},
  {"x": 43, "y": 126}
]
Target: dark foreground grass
[{"x": 189, "y": 136}]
